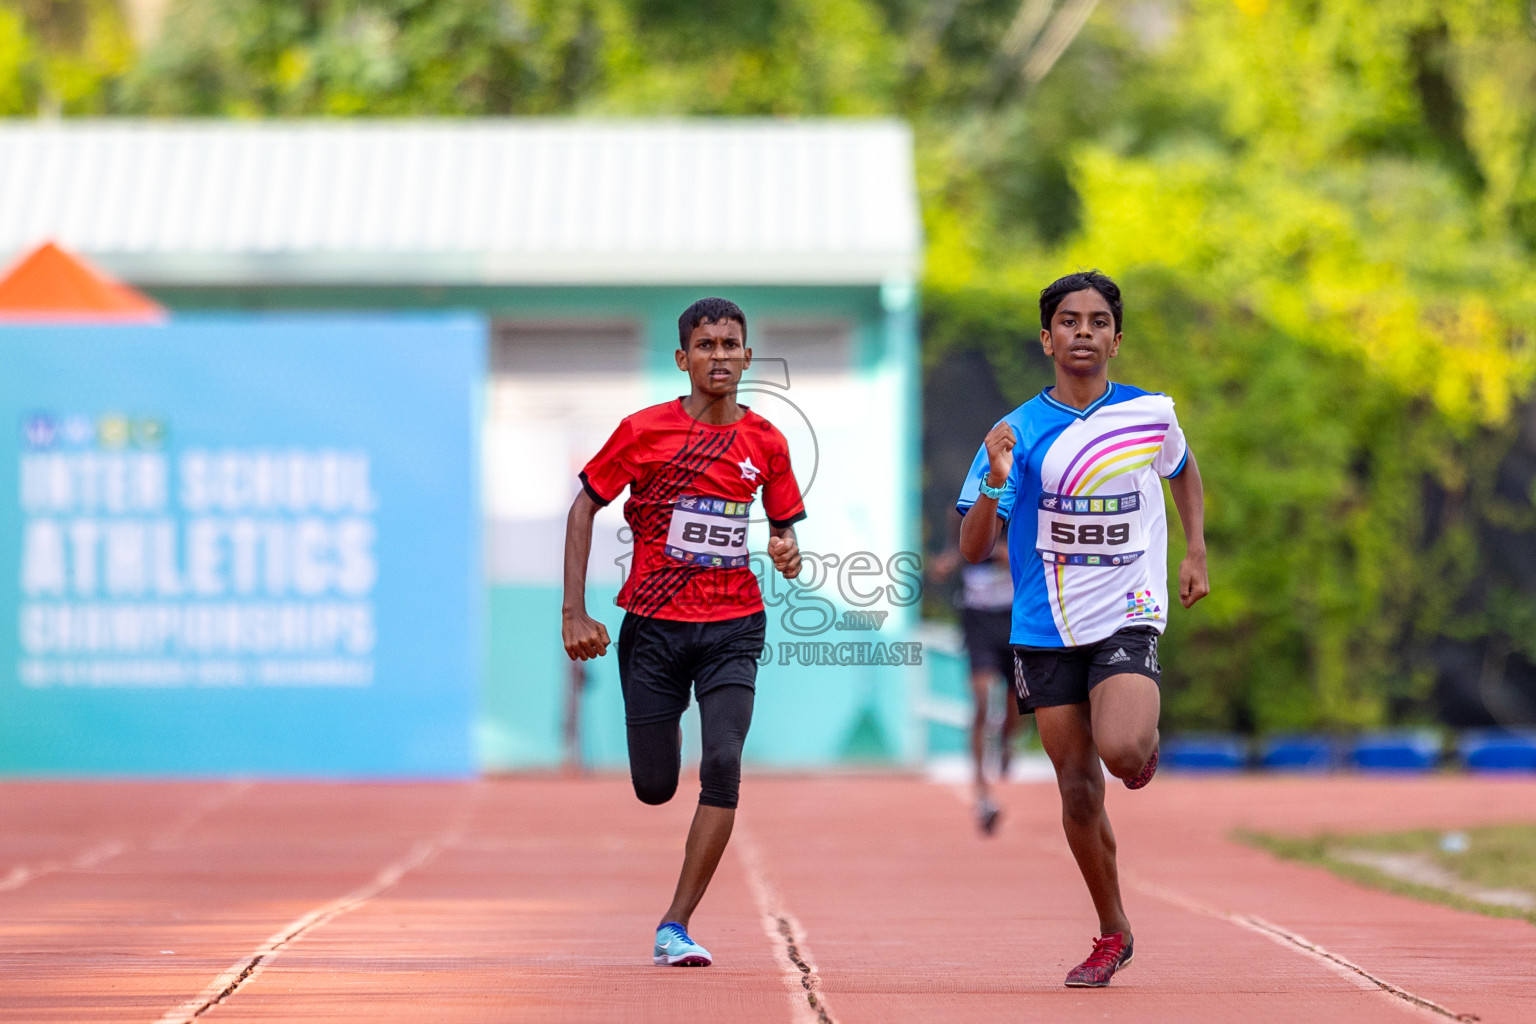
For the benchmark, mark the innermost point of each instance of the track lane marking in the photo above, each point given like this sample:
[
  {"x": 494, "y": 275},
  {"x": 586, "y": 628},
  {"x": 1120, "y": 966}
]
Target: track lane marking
[
  {"x": 21, "y": 874},
  {"x": 91, "y": 856},
  {"x": 1339, "y": 965},
  {"x": 227, "y": 984},
  {"x": 807, "y": 1003},
  {"x": 243, "y": 970},
  {"x": 174, "y": 833}
]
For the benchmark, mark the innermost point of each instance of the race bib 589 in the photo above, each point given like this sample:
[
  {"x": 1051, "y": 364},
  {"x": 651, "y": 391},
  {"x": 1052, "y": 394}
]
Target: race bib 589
[
  {"x": 1103, "y": 531},
  {"x": 709, "y": 531}
]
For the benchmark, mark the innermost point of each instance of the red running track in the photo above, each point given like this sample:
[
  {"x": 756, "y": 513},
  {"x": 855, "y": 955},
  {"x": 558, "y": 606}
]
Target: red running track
[{"x": 534, "y": 899}]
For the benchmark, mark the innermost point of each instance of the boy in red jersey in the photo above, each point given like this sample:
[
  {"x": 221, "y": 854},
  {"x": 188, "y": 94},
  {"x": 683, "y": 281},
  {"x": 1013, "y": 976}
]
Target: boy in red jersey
[{"x": 694, "y": 613}]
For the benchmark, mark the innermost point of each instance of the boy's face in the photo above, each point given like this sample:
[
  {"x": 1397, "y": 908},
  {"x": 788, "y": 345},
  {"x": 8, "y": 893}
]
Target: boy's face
[
  {"x": 715, "y": 357},
  {"x": 1082, "y": 338}
]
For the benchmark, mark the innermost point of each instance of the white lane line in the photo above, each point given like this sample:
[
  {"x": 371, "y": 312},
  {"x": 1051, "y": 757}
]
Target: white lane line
[
  {"x": 230, "y": 982},
  {"x": 91, "y": 856},
  {"x": 96, "y": 854},
  {"x": 1289, "y": 939},
  {"x": 243, "y": 970},
  {"x": 807, "y": 1003},
  {"x": 1347, "y": 969},
  {"x": 177, "y": 830},
  {"x": 21, "y": 874}
]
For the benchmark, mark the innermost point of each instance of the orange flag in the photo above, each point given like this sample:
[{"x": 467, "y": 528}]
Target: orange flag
[{"x": 49, "y": 284}]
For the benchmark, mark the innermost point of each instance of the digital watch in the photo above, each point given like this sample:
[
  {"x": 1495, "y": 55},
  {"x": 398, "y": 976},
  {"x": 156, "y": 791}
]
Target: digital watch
[{"x": 995, "y": 493}]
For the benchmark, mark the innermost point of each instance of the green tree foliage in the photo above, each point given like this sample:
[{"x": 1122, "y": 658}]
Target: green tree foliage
[
  {"x": 1323, "y": 214},
  {"x": 15, "y": 64},
  {"x": 60, "y": 56},
  {"x": 1299, "y": 199},
  {"x": 249, "y": 58},
  {"x": 443, "y": 57}
]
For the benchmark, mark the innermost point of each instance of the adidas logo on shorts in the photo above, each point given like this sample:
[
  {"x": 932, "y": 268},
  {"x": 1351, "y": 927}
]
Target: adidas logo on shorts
[{"x": 1119, "y": 656}]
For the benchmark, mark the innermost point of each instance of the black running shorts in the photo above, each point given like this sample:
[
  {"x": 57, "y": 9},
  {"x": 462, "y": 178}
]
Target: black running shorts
[
  {"x": 1047, "y": 677},
  {"x": 986, "y": 639},
  {"x": 660, "y": 660}
]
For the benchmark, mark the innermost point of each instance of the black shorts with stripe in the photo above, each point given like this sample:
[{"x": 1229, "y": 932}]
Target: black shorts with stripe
[
  {"x": 660, "y": 660},
  {"x": 1047, "y": 677}
]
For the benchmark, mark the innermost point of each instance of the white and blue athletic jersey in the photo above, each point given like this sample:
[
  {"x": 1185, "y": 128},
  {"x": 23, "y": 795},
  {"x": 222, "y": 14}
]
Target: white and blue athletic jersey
[{"x": 1088, "y": 534}]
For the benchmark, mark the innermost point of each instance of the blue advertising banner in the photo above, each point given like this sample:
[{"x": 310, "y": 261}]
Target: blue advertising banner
[{"x": 241, "y": 546}]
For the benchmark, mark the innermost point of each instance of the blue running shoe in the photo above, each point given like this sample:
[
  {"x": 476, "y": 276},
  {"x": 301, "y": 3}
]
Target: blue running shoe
[{"x": 674, "y": 948}]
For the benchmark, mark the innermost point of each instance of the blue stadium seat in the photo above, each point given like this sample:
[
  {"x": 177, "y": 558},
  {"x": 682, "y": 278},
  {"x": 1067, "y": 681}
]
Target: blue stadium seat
[
  {"x": 1204, "y": 753},
  {"x": 1498, "y": 750},
  {"x": 1407, "y": 751},
  {"x": 1299, "y": 753}
]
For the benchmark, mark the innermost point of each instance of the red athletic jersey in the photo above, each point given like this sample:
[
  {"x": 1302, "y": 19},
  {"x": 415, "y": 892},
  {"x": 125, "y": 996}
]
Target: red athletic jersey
[{"x": 691, "y": 488}]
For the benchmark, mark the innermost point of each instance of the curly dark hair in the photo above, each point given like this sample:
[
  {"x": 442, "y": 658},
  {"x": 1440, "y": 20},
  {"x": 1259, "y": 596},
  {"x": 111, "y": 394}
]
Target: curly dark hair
[{"x": 709, "y": 311}]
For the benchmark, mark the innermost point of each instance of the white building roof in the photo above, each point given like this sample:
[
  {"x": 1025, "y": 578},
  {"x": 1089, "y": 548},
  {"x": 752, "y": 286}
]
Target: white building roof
[{"x": 467, "y": 201}]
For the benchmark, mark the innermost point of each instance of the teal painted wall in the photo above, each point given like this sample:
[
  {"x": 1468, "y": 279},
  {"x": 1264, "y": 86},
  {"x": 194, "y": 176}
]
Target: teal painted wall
[{"x": 949, "y": 682}]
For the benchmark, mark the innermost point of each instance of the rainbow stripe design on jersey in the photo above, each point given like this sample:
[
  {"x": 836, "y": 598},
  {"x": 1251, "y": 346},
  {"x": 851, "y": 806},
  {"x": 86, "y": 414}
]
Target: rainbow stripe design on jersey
[
  {"x": 1114, "y": 454},
  {"x": 1126, "y": 455}
]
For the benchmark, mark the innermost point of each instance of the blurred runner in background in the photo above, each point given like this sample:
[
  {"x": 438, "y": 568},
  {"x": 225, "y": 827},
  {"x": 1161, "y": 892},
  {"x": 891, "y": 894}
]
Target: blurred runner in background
[
  {"x": 985, "y": 600},
  {"x": 575, "y": 686}
]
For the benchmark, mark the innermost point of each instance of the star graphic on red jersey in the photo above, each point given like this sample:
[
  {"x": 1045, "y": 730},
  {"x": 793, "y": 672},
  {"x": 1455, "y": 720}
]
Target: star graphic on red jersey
[{"x": 748, "y": 471}]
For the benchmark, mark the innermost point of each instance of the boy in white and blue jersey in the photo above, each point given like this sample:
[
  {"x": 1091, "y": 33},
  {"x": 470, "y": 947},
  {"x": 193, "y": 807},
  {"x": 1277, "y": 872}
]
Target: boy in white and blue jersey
[{"x": 1077, "y": 472}]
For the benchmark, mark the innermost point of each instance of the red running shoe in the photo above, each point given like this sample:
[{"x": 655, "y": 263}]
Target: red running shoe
[
  {"x": 1145, "y": 775},
  {"x": 1110, "y": 954}
]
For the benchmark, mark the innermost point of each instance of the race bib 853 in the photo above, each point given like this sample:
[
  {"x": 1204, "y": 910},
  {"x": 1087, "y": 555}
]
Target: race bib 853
[
  {"x": 709, "y": 531},
  {"x": 1103, "y": 531}
]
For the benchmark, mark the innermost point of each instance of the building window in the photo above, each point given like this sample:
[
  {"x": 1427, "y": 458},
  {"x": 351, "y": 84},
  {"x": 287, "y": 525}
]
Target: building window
[{"x": 557, "y": 391}]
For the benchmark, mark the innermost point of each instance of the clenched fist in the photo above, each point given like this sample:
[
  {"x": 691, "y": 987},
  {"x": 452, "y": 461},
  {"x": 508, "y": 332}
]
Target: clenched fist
[
  {"x": 785, "y": 552},
  {"x": 583, "y": 635},
  {"x": 1000, "y": 441}
]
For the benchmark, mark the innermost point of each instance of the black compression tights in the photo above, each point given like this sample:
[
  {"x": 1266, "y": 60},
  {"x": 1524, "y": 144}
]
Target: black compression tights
[{"x": 655, "y": 758}]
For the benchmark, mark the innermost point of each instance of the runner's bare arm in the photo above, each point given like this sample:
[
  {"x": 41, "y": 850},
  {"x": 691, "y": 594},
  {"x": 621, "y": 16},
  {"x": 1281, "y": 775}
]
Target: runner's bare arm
[
  {"x": 1189, "y": 498},
  {"x": 980, "y": 527},
  {"x": 583, "y": 635},
  {"x": 784, "y": 549}
]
